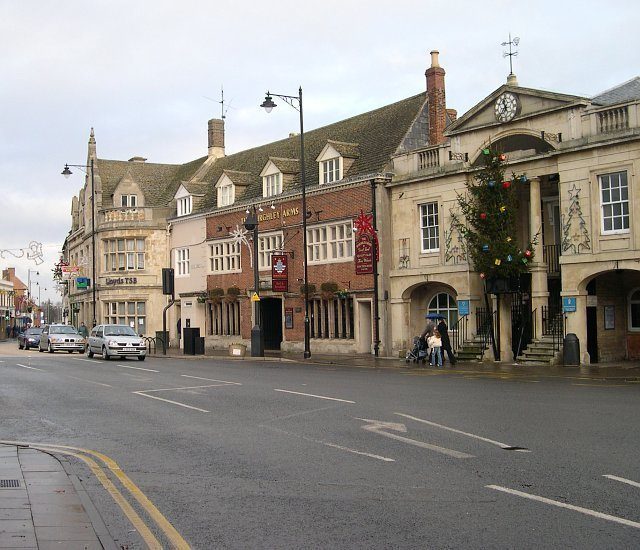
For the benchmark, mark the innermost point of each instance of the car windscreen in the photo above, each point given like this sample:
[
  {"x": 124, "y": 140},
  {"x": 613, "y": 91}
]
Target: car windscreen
[
  {"x": 63, "y": 330},
  {"x": 31, "y": 331},
  {"x": 119, "y": 331}
]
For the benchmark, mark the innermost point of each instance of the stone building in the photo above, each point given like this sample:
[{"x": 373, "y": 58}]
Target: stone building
[{"x": 581, "y": 157}]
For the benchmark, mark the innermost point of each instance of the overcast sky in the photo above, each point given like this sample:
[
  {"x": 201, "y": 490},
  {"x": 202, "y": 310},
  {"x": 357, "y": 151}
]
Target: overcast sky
[{"x": 147, "y": 76}]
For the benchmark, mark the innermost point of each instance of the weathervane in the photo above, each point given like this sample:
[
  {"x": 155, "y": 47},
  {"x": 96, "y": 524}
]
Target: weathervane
[{"x": 510, "y": 54}]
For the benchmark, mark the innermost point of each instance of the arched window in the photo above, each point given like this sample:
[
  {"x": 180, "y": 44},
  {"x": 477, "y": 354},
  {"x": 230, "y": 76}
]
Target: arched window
[
  {"x": 445, "y": 305},
  {"x": 634, "y": 310}
]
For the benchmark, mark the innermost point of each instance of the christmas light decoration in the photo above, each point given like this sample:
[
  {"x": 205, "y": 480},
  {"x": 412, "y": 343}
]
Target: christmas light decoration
[
  {"x": 483, "y": 215},
  {"x": 506, "y": 184},
  {"x": 491, "y": 184}
]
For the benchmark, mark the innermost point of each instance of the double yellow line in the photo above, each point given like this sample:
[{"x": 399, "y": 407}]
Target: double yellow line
[{"x": 165, "y": 526}]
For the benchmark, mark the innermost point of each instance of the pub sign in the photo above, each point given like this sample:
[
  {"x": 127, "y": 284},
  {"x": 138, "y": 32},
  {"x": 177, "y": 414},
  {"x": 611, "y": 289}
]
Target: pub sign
[{"x": 279, "y": 273}]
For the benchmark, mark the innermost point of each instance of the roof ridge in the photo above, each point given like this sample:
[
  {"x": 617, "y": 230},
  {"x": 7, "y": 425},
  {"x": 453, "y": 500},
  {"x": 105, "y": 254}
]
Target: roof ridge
[{"x": 616, "y": 87}]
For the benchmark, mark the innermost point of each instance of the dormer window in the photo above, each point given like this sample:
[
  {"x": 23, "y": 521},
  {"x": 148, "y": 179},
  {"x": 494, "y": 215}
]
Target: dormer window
[
  {"x": 226, "y": 194},
  {"x": 331, "y": 170},
  {"x": 129, "y": 201},
  {"x": 272, "y": 185},
  {"x": 184, "y": 205}
]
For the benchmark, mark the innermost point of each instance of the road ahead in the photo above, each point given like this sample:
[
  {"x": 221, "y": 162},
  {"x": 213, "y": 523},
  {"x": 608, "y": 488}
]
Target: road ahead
[{"x": 241, "y": 454}]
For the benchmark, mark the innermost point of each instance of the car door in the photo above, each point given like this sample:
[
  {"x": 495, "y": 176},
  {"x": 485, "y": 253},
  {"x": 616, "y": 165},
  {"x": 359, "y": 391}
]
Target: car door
[{"x": 92, "y": 338}]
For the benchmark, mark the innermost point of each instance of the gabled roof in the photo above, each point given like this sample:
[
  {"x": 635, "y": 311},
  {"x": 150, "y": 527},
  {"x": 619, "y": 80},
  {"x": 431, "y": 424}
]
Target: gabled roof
[
  {"x": 379, "y": 134},
  {"x": 622, "y": 93},
  {"x": 348, "y": 150},
  {"x": 286, "y": 166},
  {"x": 558, "y": 100},
  {"x": 237, "y": 177}
]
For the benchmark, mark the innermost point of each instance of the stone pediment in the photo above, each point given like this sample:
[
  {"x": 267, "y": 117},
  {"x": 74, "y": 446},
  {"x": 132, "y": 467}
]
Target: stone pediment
[{"x": 531, "y": 103}]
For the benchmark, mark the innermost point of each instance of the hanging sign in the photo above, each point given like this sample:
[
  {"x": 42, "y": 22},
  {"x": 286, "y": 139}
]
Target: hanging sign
[
  {"x": 364, "y": 255},
  {"x": 279, "y": 273}
]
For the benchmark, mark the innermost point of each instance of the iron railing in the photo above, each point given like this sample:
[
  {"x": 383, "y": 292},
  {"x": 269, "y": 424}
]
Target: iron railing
[
  {"x": 551, "y": 256},
  {"x": 528, "y": 333},
  {"x": 459, "y": 332},
  {"x": 486, "y": 328},
  {"x": 553, "y": 324}
]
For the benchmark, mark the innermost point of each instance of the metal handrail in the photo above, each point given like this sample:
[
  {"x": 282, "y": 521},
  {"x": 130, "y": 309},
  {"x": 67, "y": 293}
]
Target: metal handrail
[
  {"x": 486, "y": 327},
  {"x": 531, "y": 322},
  {"x": 458, "y": 333},
  {"x": 553, "y": 324}
]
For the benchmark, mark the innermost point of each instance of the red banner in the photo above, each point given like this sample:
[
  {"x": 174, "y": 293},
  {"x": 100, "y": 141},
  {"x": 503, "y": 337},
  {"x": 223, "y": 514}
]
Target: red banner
[
  {"x": 279, "y": 273},
  {"x": 364, "y": 254}
]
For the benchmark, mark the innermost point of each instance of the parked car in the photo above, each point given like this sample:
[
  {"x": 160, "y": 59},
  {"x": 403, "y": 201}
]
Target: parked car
[
  {"x": 61, "y": 338},
  {"x": 116, "y": 341},
  {"x": 29, "y": 338}
]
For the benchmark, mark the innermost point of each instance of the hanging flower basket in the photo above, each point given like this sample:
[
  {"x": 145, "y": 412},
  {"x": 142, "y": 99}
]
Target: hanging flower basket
[
  {"x": 232, "y": 294},
  {"x": 216, "y": 294},
  {"x": 328, "y": 290},
  {"x": 311, "y": 289}
]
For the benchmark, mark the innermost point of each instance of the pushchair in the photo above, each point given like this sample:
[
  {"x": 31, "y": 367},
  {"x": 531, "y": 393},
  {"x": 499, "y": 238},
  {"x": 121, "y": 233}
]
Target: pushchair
[{"x": 418, "y": 352}]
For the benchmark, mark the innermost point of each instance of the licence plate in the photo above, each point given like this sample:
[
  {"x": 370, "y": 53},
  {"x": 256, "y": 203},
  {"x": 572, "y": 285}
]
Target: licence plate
[{"x": 129, "y": 349}]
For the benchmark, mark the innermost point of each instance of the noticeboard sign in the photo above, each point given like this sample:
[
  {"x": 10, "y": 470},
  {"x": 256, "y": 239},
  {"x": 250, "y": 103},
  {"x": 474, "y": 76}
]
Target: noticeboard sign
[
  {"x": 279, "y": 273},
  {"x": 569, "y": 305},
  {"x": 463, "y": 307}
]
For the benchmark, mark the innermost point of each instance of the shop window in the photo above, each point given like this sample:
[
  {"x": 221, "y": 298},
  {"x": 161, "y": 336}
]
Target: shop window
[
  {"x": 331, "y": 319},
  {"x": 634, "y": 310},
  {"x": 224, "y": 318}
]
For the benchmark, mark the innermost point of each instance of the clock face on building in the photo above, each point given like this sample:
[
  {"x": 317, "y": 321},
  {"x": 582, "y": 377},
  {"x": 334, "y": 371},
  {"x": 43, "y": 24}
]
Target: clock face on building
[{"x": 507, "y": 106}]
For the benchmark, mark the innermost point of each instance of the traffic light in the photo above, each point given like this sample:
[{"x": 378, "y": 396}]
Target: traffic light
[{"x": 167, "y": 281}]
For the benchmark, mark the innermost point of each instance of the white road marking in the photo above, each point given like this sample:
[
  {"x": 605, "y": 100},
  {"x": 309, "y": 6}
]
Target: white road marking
[
  {"x": 136, "y": 368},
  {"x": 585, "y": 511},
  {"x": 170, "y": 401},
  {"x": 377, "y": 426},
  {"x": 88, "y": 360},
  {"x": 32, "y": 368},
  {"x": 89, "y": 381},
  {"x": 316, "y": 396},
  {"x": 485, "y": 439},
  {"x": 332, "y": 445},
  {"x": 622, "y": 480},
  {"x": 180, "y": 388},
  {"x": 211, "y": 379}
]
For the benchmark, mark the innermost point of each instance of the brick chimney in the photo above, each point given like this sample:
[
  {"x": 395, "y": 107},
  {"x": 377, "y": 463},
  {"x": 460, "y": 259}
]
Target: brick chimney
[
  {"x": 437, "y": 103},
  {"x": 216, "y": 138}
]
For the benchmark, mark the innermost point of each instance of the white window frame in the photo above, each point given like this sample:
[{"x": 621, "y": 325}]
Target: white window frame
[
  {"x": 272, "y": 185},
  {"x": 429, "y": 231},
  {"x": 129, "y": 201},
  {"x": 182, "y": 262},
  {"x": 331, "y": 170},
  {"x": 226, "y": 194},
  {"x": 124, "y": 254},
  {"x": 449, "y": 311},
  {"x": 622, "y": 188},
  {"x": 631, "y": 302},
  {"x": 330, "y": 243},
  {"x": 184, "y": 205},
  {"x": 224, "y": 257},
  {"x": 267, "y": 245}
]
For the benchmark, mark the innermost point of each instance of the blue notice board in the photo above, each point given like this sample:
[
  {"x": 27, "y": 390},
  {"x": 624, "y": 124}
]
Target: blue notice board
[
  {"x": 568, "y": 305},
  {"x": 463, "y": 307}
]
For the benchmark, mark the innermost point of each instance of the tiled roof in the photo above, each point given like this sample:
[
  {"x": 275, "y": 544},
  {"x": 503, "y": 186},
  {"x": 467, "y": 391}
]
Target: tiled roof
[
  {"x": 237, "y": 177},
  {"x": 378, "y": 134},
  {"x": 627, "y": 91},
  {"x": 286, "y": 166},
  {"x": 158, "y": 182},
  {"x": 349, "y": 150}
]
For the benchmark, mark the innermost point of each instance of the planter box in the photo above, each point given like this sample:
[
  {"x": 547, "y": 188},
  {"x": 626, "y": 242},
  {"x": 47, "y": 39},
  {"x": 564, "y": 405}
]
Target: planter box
[{"x": 237, "y": 350}]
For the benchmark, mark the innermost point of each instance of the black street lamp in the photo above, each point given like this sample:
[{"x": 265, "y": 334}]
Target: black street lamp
[
  {"x": 66, "y": 173},
  {"x": 296, "y": 103},
  {"x": 257, "y": 336}
]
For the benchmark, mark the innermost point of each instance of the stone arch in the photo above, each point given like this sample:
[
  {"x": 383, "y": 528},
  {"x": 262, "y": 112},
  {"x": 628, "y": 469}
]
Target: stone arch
[
  {"x": 509, "y": 142},
  {"x": 419, "y": 295}
]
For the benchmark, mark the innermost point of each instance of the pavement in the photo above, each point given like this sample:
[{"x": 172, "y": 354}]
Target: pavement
[{"x": 44, "y": 506}]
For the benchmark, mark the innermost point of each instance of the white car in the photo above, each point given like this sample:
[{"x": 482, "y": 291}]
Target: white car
[
  {"x": 61, "y": 338},
  {"x": 116, "y": 341}
]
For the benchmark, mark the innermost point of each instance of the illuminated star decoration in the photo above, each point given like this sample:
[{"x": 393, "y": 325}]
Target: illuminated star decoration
[
  {"x": 32, "y": 252},
  {"x": 239, "y": 237},
  {"x": 363, "y": 225}
]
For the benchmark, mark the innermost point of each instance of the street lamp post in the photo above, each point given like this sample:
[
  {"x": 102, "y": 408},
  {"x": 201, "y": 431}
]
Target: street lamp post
[
  {"x": 66, "y": 173},
  {"x": 296, "y": 103},
  {"x": 29, "y": 272},
  {"x": 257, "y": 336}
]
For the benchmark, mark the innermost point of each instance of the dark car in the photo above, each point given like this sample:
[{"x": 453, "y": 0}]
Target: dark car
[{"x": 29, "y": 338}]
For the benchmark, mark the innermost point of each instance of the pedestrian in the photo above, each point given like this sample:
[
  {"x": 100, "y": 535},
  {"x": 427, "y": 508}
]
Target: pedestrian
[
  {"x": 446, "y": 343},
  {"x": 436, "y": 348},
  {"x": 427, "y": 333},
  {"x": 8, "y": 329},
  {"x": 82, "y": 330}
]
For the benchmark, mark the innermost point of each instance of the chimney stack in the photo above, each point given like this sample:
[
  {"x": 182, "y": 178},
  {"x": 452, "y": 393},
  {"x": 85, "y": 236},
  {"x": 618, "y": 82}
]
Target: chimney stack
[
  {"x": 437, "y": 107},
  {"x": 216, "y": 138}
]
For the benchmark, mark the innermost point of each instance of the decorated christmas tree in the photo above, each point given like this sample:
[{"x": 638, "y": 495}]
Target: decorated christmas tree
[{"x": 489, "y": 221}]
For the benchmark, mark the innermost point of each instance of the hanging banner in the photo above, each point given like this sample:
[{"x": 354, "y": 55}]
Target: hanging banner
[
  {"x": 364, "y": 254},
  {"x": 279, "y": 273}
]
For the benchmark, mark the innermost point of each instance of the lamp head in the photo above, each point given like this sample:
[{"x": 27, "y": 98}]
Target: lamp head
[
  {"x": 251, "y": 221},
  {"x": 66, "y": 172},
  {"x": 268, "y": 103}
]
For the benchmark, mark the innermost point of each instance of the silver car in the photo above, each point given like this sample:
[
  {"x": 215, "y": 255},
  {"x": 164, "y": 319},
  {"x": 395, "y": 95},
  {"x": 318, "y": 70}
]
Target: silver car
[
  {"x": 116, "y": 341},
  {"x": 61, "y": 338}
]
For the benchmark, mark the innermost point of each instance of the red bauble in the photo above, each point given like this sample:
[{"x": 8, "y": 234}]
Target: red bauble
[
  {"x": 483, "y": 215},
  {"x": 506, "y": 184},
  {"x": 527, "y": 253}
]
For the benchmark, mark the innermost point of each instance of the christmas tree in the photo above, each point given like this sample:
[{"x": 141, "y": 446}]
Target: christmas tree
[{"x": 489, "y": 227}]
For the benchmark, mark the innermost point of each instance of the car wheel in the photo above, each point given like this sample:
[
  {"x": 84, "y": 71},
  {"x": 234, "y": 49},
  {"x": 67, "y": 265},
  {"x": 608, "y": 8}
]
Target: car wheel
[
  {"x": 49, "y": 348},
  {"x": 89, "y": 352},
  {"x": 105, "y": 353},
  {"x": 141, "y": 357},
  {"x": 70, "y": 351}
]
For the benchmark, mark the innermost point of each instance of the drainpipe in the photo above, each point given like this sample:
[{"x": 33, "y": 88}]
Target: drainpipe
[{"x": 376, "y": 317}]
